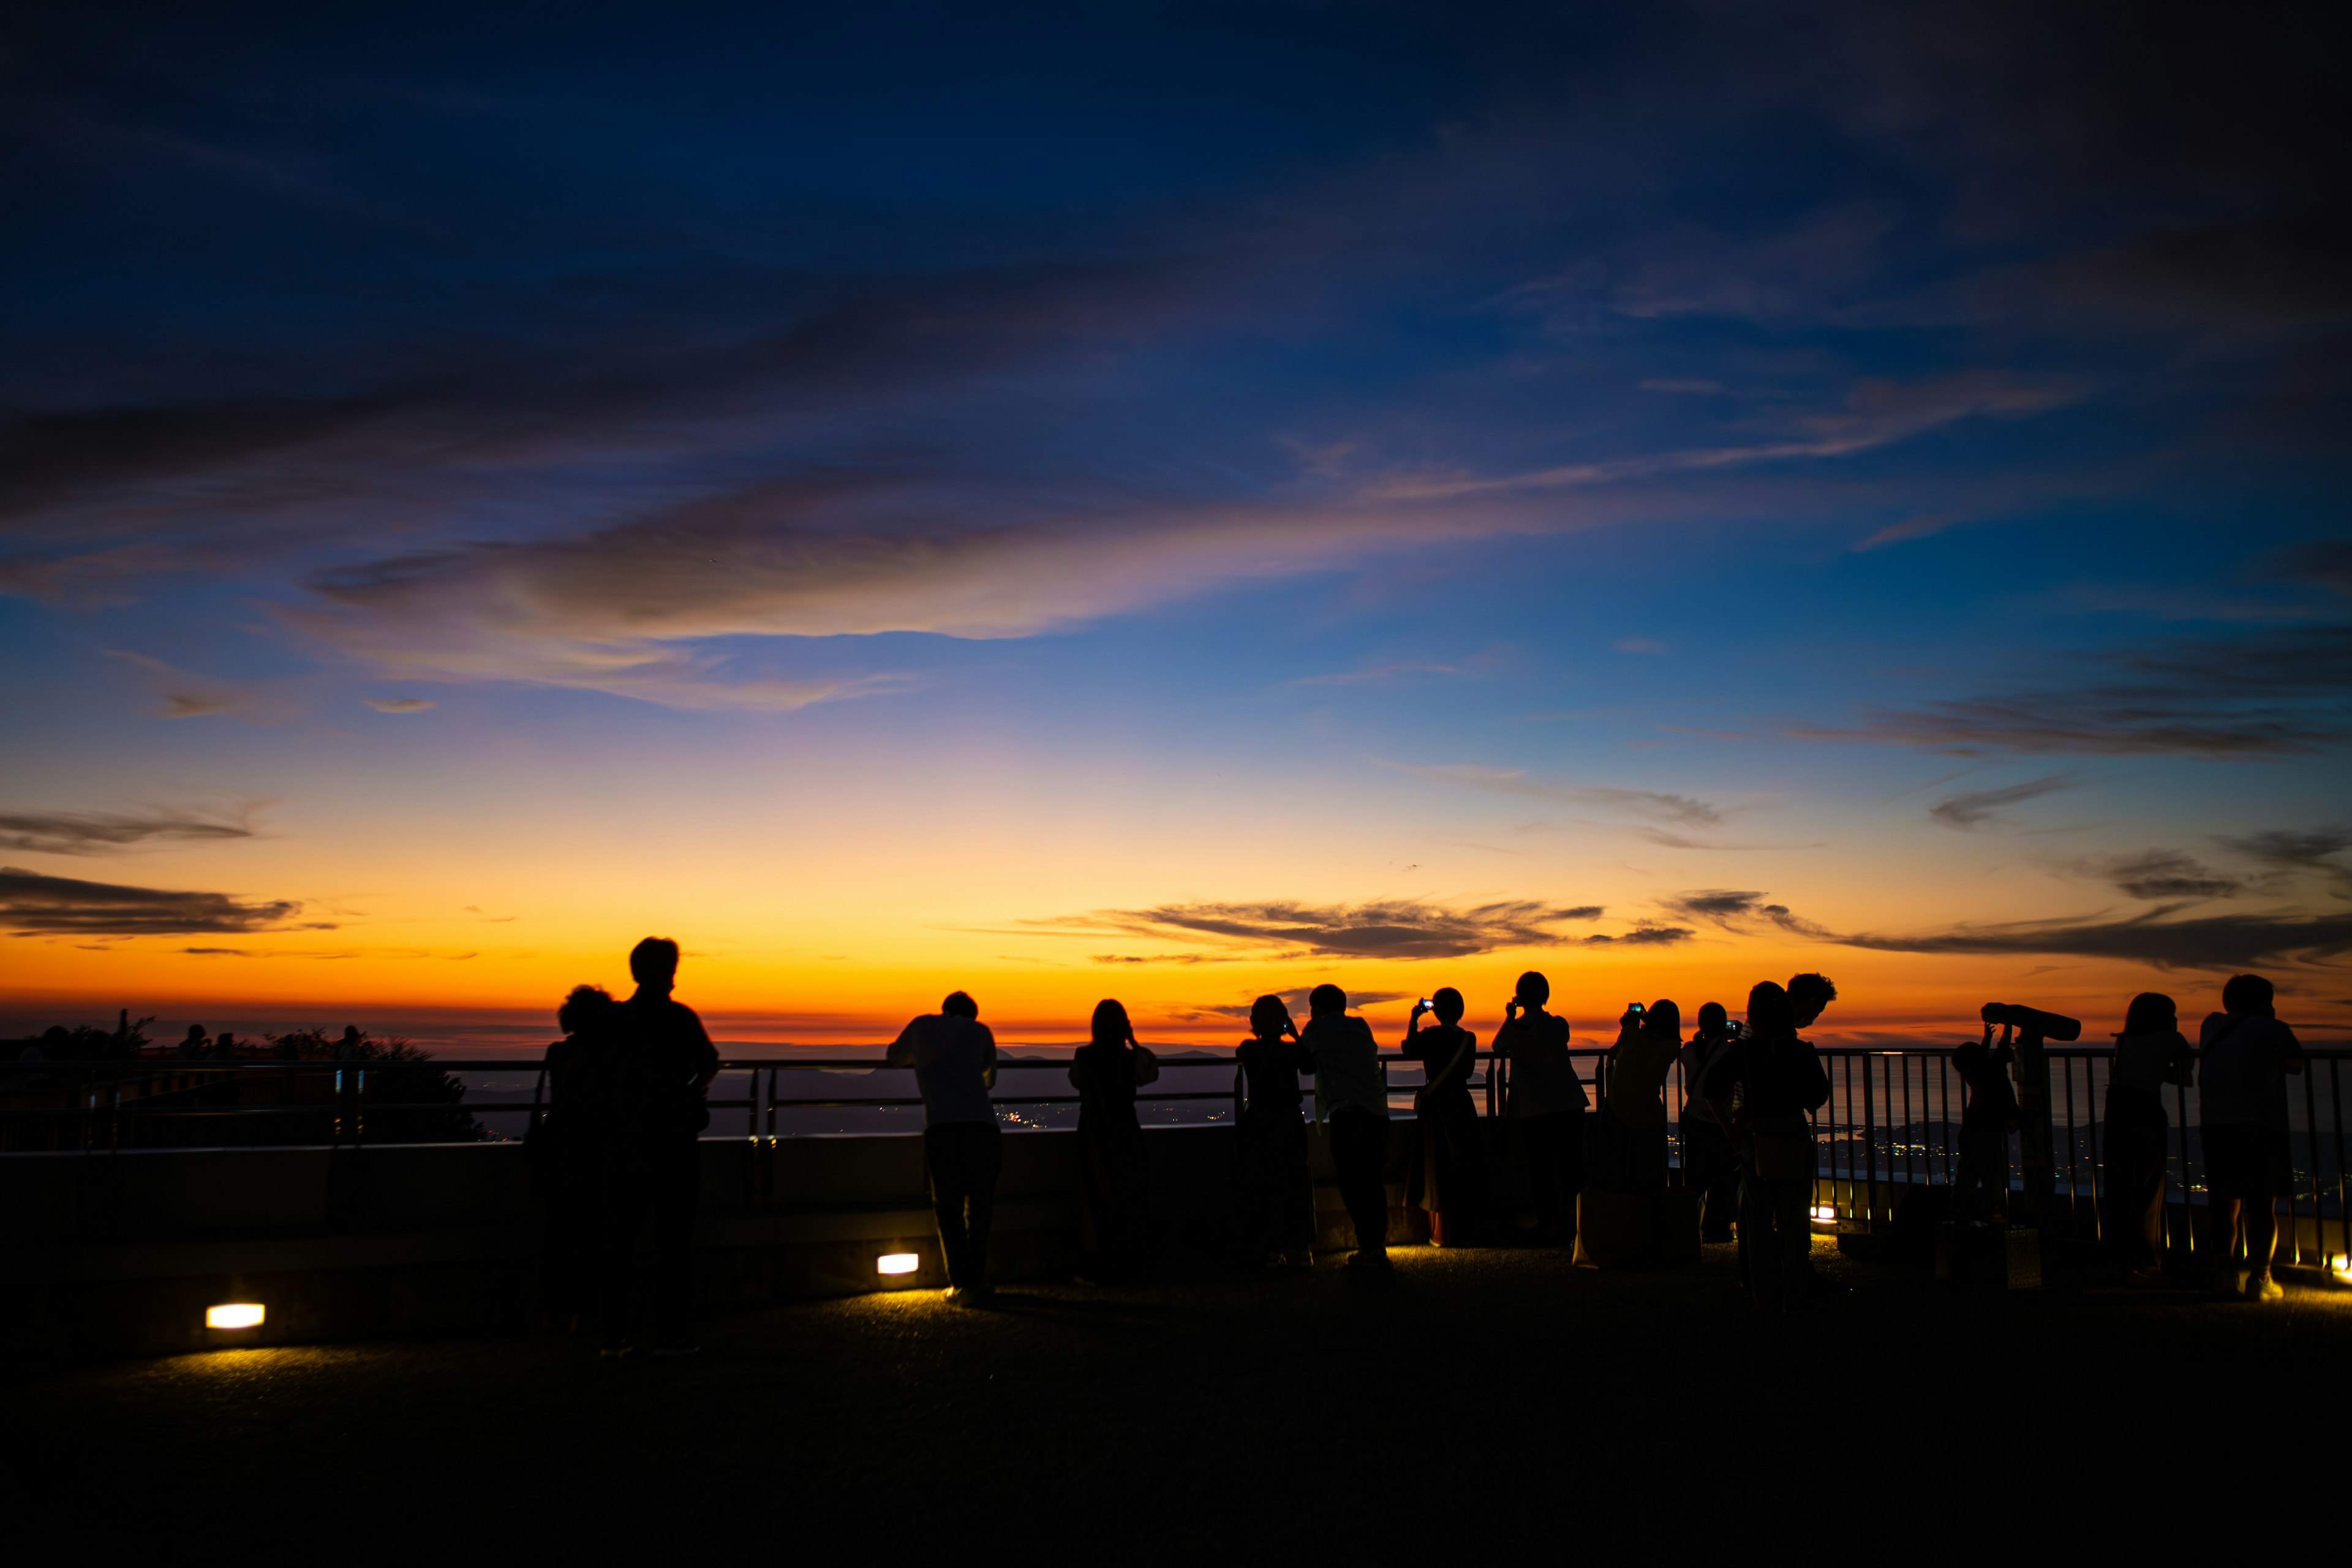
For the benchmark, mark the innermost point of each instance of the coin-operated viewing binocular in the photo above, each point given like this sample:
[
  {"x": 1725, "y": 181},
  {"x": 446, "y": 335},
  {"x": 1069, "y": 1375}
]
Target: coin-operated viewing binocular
[{"x": 2032, "y": 1022}]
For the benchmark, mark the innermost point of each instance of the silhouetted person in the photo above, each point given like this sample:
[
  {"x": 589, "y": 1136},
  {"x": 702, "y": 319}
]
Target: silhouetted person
[
  {"x": 1448, "y": 1178},
  {"x": 1988, "y": 1117},
  {"x": 225, "y": 1046},
  {"x": 1114, "y": 1176},
  {"x": 1710, "y": 1165},
  {"x": 1277, "y": 1182},
  {"x": 566, "y": 1146},
  {"x": 1547, "y": 1103},
  {"x": 2249, "y": 1165},
  {"x": 954, "y": 1057},
  {"x": 1633, "y": 1125},
  {"x": 191, "y": 1048},
  {"x": 1809, "y": 994},
  {"x": 1354, "y": 1101},
  {"x": 1763, "y": 1086},
  {"x": 664, "y": 1064},
  {"x": 2149, "y": 1054},
  {"x": 290, "y": 1046},
  {"x": 352, "y": 1045}
]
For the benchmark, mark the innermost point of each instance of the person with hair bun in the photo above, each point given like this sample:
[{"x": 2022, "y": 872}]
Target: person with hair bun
[
  {"x": 1547, "y": 1103},
  {"x": 1114, "y": 1176},
  {"x": 1278, "y": 1184},
  {"x": 2149, "y": 1054},
  {"x": 1448, "y": 1179}
]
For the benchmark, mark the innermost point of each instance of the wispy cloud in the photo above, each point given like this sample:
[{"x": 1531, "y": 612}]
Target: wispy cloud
[
  {"x": 2163, "y": 876},
  {"x": 1977, "y": 807},
  {"x": 1388, "y": 928},
  {"x": 401, "y": 704},
  {"x": 1657, "y": 805},
  {"x": 32, "y": 903},
  {"x": 111, "y": 832}
]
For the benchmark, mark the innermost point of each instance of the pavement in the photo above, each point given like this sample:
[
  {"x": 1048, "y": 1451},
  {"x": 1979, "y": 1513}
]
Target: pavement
[{"x": 1481, "y": 1402}]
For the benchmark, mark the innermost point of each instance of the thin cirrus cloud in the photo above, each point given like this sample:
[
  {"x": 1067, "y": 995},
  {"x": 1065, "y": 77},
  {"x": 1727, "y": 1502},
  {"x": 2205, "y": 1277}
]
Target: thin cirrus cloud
[
  {"x": 2166, "y": 876},
  {"x": 1977, "y": 807},
  {"x": 2279, "y": 692},
  {"x": 115, "y": 833},
  {"x": 1657, "y": 805},
  {"x": 1386, "y": 928},
  {"x": 34, "y": 904},
  {"x": 2232, "y": 941}
]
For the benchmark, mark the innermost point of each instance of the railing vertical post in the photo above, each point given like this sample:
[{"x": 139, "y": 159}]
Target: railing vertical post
[
  {"x": 2074, "y": 1162},
  {"x": 2311, "y": 1141},
  {"x": 2335, "y": 1099},
  {"x": 1869, "y": 1145},
  {"x": 2090, "y": 1092},
  {"x": 2033, "y": 1142},
  {"x": 2188, "y": 1216}
]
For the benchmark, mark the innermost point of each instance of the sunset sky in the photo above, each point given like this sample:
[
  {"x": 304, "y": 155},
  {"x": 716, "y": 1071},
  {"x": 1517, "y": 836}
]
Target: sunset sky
[{"x": 1170, "y": 503}]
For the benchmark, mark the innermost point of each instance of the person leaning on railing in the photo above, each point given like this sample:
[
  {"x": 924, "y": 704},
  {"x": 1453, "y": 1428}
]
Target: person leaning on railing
[
  {"x": 1278, "y": 1183},
  {"x": 1763, "y": 1086},
  {"x": 1547, "y": 1103},
  {"x": 954, "y": 1057},
  {"x": 2149, "y": 1054},
  {"x": 1115, "y": 1231}
]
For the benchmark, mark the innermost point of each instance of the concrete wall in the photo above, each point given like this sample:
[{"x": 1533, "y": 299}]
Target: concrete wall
[{"x": 114, "y": 1254}]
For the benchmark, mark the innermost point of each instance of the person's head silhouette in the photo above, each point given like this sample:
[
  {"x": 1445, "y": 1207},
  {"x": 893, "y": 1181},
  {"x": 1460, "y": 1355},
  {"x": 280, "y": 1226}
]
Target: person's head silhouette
[
  {"x": 1270, "y": 1018},
  {"x": 195, "y": 1031},
  {"x": 580, "y": 1009},
  {"x": 1663, "y": 1021},
  {"x": 2150, "y": 1013},
  {"x": 960, "y": 1005},
  {"x": 2247, "y": 993},
  {"x": 1446, "y": 1003},
  {"x": 1769, "y": 1016},
  {"x": 653, "y": 965},
  {"x": 1713, "y": 1020},
  {"x": 1533, "y": 991},
  {"x": 1808, "y": 994},
  {"x": 1327, "y": 1002},
  {"x": 1110, "y": 1024}
]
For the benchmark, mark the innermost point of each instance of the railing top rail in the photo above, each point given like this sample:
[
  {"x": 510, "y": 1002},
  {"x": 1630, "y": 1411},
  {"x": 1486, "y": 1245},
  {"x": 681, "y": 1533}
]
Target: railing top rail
[{"x": 1171, "y": 1057}]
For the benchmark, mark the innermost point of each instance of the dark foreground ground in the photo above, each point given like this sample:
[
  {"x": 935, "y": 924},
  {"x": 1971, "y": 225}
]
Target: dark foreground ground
[{"x": 1483, "y": 1404}]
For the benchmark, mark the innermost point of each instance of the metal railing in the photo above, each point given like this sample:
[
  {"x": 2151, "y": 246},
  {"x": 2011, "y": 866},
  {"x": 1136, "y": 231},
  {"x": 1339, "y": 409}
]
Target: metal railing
[{"x": 1891, "y": 1123}]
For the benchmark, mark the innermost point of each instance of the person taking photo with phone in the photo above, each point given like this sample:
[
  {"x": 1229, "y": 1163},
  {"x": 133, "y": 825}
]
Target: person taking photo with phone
[{"x": 1448, "y": 1179}]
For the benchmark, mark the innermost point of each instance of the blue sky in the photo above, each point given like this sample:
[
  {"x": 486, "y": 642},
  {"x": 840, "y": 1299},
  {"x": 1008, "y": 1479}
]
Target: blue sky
[{"x": 1396, "y": 423}]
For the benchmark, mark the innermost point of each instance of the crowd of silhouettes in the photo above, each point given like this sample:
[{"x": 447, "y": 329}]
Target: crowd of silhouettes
[{"x": 614, "y": 1148}]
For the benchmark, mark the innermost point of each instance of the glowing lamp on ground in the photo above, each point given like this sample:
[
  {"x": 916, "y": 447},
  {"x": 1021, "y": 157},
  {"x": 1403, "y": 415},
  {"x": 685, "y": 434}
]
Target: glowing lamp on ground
[
  {"x": 897, "y": 1263},
  {"x": 234, "y": 1315},
  {"x": 1825, "y": 1213},
  {"x": 2342, "y": 1269}
]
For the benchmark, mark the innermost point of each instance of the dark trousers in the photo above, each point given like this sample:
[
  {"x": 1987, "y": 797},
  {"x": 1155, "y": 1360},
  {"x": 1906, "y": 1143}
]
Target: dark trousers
[
  {"x": 2133, "y": 1225},
  {"x": 662, "y": 1180},
  {"x": 1278, "y": 1184},
  {"x": 1555, "y": 1145},
  {"x": 1776, "y": 1237},
  {"x": 1711, "y": 1167},
  {"x": 567, "y": 1259},
  {"x": 1359, "y": 1154},
  {"x": 1980, "y": 1190},
  {"x": 965, "y": 1159}
]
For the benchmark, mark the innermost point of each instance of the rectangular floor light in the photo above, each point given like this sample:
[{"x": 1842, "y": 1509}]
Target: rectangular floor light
[
  {"x": 234, "y": 1315},
  {"x": 897, "y": 1263}
]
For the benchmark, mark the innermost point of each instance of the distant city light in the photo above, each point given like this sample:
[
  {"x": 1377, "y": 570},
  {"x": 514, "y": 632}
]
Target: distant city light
[
  {"x": 897, "y": 1263},
  {"x": 233, "y": 1315}
]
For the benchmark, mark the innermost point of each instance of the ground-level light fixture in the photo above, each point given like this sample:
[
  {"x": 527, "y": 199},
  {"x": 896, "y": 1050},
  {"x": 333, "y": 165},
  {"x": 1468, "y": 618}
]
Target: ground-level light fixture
[
  {"x": 2341, "y": 1267},
  {"x": 1824, "y": 1214},
  {"x": 234, "y": 1315},
  {"x": 897, "y": 1263}
]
